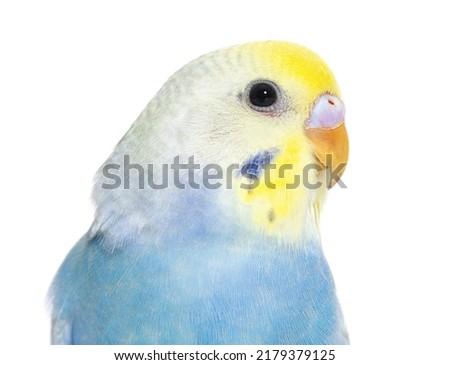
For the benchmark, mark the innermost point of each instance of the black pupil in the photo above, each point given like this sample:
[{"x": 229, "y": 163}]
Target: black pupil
[{"x": 263, "y": 95}]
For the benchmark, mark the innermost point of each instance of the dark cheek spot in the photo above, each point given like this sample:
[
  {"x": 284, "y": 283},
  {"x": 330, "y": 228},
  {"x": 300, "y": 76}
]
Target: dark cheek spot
[
  {"x": 271, "y": 216},
  {"x": 254, "y": 166}
]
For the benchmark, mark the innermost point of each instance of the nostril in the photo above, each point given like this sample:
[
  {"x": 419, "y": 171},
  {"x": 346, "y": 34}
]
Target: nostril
[{"x": 328, "y": 112}]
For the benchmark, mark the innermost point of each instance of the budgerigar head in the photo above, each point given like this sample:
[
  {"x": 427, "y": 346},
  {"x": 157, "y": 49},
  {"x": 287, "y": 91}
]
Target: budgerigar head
[{"x": 261, "y": 106}]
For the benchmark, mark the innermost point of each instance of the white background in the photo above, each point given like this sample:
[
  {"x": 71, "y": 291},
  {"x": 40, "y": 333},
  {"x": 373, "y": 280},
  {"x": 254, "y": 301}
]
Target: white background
[{"x": 74, "y": 76}]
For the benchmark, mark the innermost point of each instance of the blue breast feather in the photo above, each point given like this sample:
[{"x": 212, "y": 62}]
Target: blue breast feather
[{"x": 198, "y": 293}]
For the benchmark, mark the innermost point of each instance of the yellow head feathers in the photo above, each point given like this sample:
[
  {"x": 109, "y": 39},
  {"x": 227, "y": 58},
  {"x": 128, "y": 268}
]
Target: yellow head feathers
[{"x": 290, "y": 193}]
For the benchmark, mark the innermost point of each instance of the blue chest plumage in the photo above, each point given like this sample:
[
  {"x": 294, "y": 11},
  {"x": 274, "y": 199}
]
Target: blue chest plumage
[{"x": 199, "y": 293}]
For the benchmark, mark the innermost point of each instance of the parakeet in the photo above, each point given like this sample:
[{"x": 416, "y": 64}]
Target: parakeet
[{"x": 207, "y": 211}]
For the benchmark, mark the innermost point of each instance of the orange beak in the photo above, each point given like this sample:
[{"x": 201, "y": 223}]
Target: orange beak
[{"x": 328, "y": 137}]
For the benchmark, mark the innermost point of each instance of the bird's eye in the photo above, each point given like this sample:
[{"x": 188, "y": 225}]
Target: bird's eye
[{"x": 262, "y": 95}]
